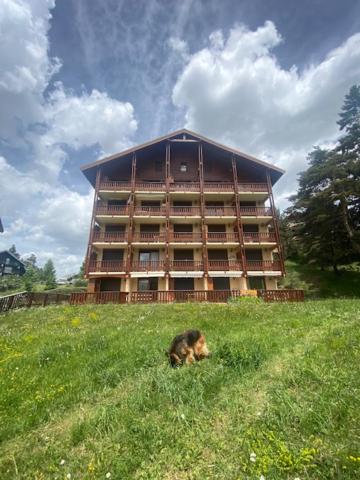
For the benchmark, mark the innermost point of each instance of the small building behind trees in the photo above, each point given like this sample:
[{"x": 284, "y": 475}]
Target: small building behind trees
[{"x": 10, "y": 265}]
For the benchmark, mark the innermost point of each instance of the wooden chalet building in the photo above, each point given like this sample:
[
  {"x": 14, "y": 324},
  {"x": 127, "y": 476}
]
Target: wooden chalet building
[
  {"x": 10, "y": 265},
  {"x": 183, "y": 212}
]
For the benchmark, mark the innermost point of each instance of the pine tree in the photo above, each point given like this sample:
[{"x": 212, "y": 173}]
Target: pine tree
[
  {"x": 14, "y": 252},
  {"x": 49, "y": 274}
]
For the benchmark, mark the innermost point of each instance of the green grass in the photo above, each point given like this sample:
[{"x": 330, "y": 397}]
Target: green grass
[
  {"x": 87, "y": 391},
  {"x": 319, "y": 283}
]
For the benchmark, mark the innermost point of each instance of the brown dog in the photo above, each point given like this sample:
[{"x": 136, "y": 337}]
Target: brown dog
[{"x": 188, "y": 347}]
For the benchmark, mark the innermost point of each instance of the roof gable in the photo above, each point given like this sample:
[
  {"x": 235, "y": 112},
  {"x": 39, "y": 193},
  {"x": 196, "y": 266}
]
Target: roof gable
[{"x": 90, "y": 168}]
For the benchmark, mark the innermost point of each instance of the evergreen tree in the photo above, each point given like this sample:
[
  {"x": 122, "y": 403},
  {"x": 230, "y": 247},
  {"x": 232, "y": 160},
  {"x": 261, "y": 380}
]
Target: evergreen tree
[
  {"x": 13, "y": 251},
  {"x": 49, "y": 274},
  {"x": 325, "y": 216}
]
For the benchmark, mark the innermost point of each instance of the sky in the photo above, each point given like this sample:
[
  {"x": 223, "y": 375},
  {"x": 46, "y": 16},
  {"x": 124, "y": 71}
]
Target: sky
[{"x": 81, "y": 79}]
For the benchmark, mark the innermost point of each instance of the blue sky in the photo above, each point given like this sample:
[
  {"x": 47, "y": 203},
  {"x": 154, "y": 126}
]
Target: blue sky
[{"x": 83, "y": 78}]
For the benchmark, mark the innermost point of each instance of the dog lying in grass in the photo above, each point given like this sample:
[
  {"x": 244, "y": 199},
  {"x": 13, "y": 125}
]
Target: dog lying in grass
[{"x": 188, "y": 347}]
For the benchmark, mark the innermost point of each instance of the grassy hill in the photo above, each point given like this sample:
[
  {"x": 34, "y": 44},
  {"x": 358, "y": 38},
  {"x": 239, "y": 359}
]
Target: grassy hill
[
  {"x": 87, "y": 391},
  {"x": 319, "y": 283}
]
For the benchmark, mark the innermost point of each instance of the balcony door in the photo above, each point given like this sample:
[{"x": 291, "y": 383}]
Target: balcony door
[
  {"x": 221, "y": 283},
  {"x": 183, "y": 284},
  {"x": 113, "y": 254},
  {"x": 149, "y": 256}
]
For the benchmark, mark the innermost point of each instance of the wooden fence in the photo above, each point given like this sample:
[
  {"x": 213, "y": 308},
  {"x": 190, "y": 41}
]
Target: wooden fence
[{"x": 32, "y": 299}]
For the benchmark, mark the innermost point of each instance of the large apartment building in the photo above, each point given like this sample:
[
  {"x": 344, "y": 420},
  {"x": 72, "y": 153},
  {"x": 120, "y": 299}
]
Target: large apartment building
[{"x": 183, "y": 212}]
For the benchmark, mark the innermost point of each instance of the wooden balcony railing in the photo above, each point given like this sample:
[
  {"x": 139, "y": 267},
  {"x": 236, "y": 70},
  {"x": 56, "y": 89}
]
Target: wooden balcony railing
[
  {"x": 252, "y": 187},
  {"x": 107, "y": 266},
  {"x": 148, "y": 266},
  {"x": 224, "y": 265},
  {"x": 185, "y": 187},
  {"x": 258, "y": 237},
  {"x": 185, "y": 211},
  {"x": 220, "y": 211},
  {"x": 218, "y": 187},
  {"x": 222, "y": 237},
  {"x": 262, "y": 265},
  {"x": 116, "y": 185},
  {"x": 149, "y": 237},
  {"x": 102, "y": 208},
  {"x": 185, "y": 237},
  {"x": 255, "y": 211},
  {"x": 109, "y": 237},
  {"x": 186, "y": 265},
  {"x": 149, "y": 211}
]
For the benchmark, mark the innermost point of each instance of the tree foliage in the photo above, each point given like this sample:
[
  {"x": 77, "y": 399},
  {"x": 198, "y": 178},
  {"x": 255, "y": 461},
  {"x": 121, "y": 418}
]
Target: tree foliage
[
  {"x": 323, "y": 224},
  {"x": 49, "y": 274}
]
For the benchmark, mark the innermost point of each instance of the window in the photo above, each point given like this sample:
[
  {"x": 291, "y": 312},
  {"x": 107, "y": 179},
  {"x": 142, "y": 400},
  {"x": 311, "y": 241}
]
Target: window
[
  {"x": 183, "y": 167},
  {"x": 145, "y": 284}
]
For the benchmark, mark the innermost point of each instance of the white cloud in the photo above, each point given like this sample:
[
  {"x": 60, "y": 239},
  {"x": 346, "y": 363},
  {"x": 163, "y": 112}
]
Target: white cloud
[
  {"x": 235, "y": 91},
  {"x": 40, "y": 214}
]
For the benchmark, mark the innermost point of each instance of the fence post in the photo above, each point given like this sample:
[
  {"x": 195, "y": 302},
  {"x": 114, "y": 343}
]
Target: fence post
[{"x": 45, "y": 299}]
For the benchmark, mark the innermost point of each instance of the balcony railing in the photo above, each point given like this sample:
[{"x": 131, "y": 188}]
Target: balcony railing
[
  {"x": 185, "y": 187},
  {"x": 148, "y": 266},
  {"x": 262, "y": 265},
  {"x": 255, "y": 211},
  {"x": 224, "y": 265},
  {"x": 222, "y": 237},
  {"x": 186, "y": 265},
  {"x": 185, "y": 237},
  {"x": 149, "y": 237},
  {"x": 149, "y": 211},
  {"x": 218, "y": 187},
  {"x": 109, "y": 237},
  {"x": 185, "y": 211},
  {"x": 220, "y": 211},
  {"x": 256, "y": 237},
  {"x": 102, "y": 208},
  {"x": 107, "y": 266},
  {"x": 252, "y": 187},
  {"x": 116, "y": 185}
]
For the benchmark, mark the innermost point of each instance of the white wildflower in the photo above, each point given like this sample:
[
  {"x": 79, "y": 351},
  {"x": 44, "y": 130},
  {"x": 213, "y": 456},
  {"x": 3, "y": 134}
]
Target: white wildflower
[
  {"x": 108, "y": 475},
  {"x": 253, "y": 457},
  {"x": 262, "y": 477},
  {"x": 68, "y": 476},
  {"x": 182, "y": 416},
  {"x": 62, "y": 462}
]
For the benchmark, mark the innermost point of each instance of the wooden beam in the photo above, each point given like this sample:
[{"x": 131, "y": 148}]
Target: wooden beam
[
  {"x": 276, "y": 226},
  {"x": 92, "y": 224},
  {"x": 238, "y": 215}
]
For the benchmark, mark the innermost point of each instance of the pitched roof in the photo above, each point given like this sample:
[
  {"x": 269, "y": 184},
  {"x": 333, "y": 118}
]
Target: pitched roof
[
  {"x": 11, "y": 255},
  {"x": 90, "y": 168}
]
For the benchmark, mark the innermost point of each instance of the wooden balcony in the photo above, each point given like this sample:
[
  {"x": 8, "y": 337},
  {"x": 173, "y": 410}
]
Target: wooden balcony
[
  {"x": 255, "y": 237},
  {"x": 149, "y": 211},
  {"x": 186, "y": 265},
  {"x": 185, "y": 237},
  {"x": 222, "y": 187},
  {"x": 107, "y": 266},
  {"x": 263, "y": 265},
  {"x": 148, "y": 266},
  {"x": 185, "y": 211},
  {"x": 222, "y": 237},
  {"x": 220, "y": 212},
  {"x": 108, "y": 237},
  {"x": 255, "y": 212},
  {"x": 224, "y": 265},
  {"x": 149, "y": 237},
  {"x": 102, "y": 208}
]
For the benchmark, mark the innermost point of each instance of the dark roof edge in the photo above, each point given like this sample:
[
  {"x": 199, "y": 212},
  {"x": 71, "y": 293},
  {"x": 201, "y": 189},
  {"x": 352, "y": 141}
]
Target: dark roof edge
[
  {"x": 172, "y": 134},
  {"x": 12, "y": 255}
]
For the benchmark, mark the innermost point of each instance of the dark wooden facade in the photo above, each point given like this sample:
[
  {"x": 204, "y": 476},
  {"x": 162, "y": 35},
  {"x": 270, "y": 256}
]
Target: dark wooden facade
[
  {"x": 182, "y": 193},
  {"x": 10, "y": 265}
]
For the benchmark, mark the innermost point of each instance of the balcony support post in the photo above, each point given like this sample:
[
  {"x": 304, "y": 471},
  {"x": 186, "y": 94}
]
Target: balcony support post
[
  {"x": 238, "y": 216},
  {"x": 202, "y": 212},
  {"x": 92, "y": 224},
  {"x": 131, "y": 215},
  {"x": 276, "y": 226},
  {"x": 167, "y": 212}
]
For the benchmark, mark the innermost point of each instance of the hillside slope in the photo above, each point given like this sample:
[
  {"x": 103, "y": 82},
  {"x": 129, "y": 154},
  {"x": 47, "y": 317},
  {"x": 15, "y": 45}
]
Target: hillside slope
[{"x": 87, "y": 391}]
